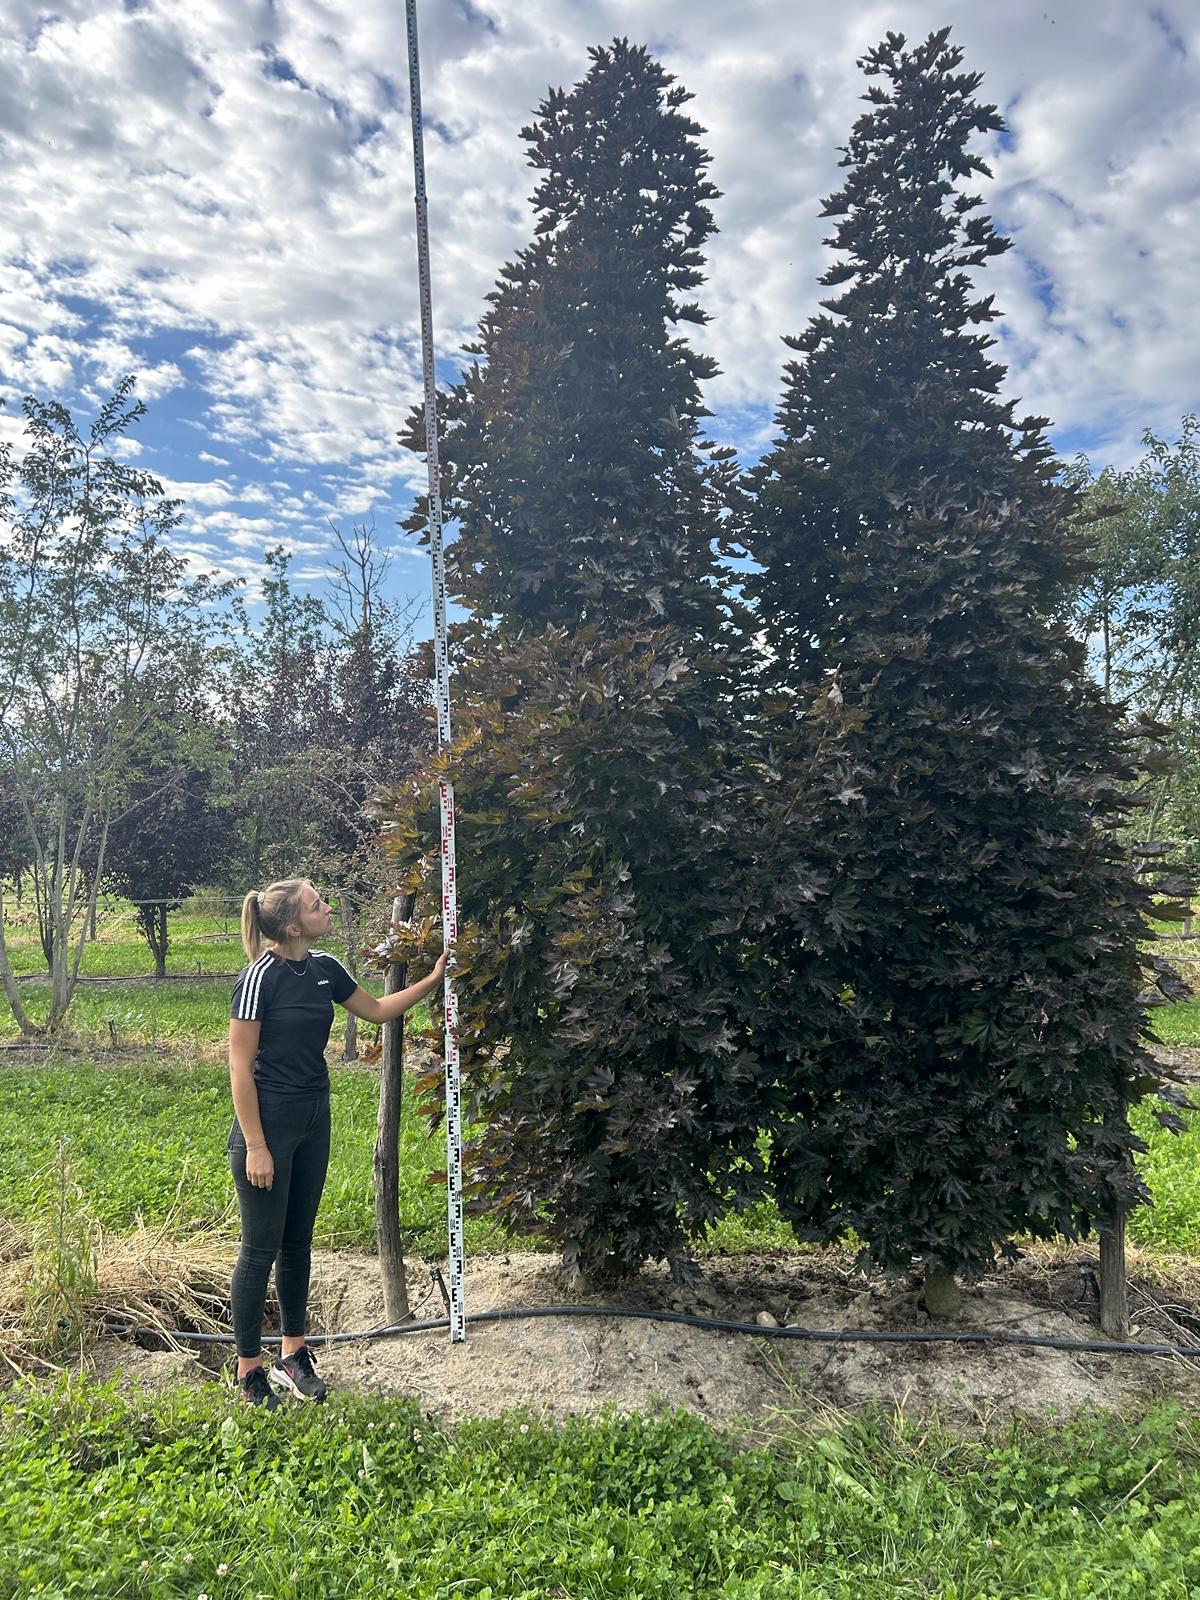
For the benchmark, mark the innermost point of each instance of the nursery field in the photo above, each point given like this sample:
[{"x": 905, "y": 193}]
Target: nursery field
[
  {"x": 190, "y": 1015},
  {"x": 131, "y": 1493}
]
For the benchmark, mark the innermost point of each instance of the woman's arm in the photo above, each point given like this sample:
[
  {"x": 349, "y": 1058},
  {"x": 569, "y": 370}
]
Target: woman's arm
[
  {"x": 365, "y": 1005},
  {"x": 243, "y": 1047}
]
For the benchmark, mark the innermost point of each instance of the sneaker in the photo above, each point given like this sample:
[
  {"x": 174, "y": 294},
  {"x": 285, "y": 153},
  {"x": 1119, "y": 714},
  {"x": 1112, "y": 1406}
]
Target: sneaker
[
  {"x": 254, "y": 1390},
  {"x": 297, "y": 1375}
]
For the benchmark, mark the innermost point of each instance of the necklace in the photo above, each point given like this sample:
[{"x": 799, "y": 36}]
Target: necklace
[{"x": 298, "y": 970}]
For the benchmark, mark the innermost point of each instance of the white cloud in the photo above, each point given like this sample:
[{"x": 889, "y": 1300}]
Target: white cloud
[{"x": 238, "y": 178}]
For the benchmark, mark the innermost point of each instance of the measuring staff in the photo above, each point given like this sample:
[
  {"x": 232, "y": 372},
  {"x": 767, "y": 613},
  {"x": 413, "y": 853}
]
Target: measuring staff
[{"x": 454, "y": 1195}]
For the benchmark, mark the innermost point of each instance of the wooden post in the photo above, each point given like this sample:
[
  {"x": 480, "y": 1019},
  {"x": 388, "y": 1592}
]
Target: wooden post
[
  {"x": 1114, "y": 1300},
  {"x": 349, "y": 942},
  {"x": 388, "y": 1241}
]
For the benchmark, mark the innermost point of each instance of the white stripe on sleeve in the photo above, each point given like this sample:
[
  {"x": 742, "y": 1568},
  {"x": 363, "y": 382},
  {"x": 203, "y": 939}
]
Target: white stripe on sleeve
[{"x": 248, "y": 1008}]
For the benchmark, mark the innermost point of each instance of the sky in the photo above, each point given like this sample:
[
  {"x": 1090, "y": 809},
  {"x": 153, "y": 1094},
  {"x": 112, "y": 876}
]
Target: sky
[{"x": 217, "y": 196}]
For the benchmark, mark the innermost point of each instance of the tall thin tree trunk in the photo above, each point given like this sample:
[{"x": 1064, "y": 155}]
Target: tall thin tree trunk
[
  {"x": 1114, "y": 1298},
  {"x": 160, "y": 939},
  {"x": 387, "y": 1144}
]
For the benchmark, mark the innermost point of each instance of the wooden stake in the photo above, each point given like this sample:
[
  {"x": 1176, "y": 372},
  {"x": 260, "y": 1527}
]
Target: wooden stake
[
  {"x": 349, "y": 945},
  {"x": 388, "y": 1240}
]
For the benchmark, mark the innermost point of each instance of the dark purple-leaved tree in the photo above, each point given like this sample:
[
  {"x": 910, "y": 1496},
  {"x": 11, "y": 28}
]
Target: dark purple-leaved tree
[
  {"x": 952, "y": 881},
  {"x": 601, "y": 762}
]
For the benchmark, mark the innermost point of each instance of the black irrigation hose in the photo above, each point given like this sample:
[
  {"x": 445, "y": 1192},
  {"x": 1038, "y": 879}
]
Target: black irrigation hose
[{"x": 814, "y": 1335}]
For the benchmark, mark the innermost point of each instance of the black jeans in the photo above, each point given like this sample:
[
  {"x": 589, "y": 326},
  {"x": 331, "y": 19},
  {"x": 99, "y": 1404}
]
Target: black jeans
[{"x": 277, "y": 1223}]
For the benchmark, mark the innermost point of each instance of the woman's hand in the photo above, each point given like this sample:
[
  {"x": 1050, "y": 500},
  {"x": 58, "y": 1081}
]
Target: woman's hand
[
  {"x": 445, "y": 959},
  {"x": 260, "y": 1167},
  {"x": 364, "y": 1005}
]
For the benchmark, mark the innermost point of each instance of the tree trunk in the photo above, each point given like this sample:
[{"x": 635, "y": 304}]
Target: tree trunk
[
  {"x": 387, "y": 1144},
  {"x": 13, "y": 994},
  {"x": 160, "y": 941},
  {"x": 1114, "y": 1300},
  {"x": 350, "y": 949},
  {"x": 943, "y": 1297}
]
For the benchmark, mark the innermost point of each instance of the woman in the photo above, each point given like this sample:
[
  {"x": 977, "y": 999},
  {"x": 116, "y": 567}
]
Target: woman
[{"x": 279, "y": 1144}]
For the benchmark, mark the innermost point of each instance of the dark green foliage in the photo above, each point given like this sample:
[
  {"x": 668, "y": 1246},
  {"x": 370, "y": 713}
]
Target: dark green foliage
[
  {"x": 600, "y": 830},
  {"x": 602, "y": 765},
  {"x": 173, "y": 832},
  {"x": 959, "y": 1039}
]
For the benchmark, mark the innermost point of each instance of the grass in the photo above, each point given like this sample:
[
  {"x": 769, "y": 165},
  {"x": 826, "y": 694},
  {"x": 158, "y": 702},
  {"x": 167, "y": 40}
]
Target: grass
[
  {"x": 199, "y": 941},
  {"x": 1179, "y": 1023},
  {"x": 176, "y": 1497},
  {"x": 148, "y": 1141}
]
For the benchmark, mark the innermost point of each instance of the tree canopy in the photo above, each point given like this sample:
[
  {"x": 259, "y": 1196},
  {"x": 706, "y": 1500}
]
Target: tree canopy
[
  {"x": 957, "y": 779},
  {"x": 602, "y": 756}
]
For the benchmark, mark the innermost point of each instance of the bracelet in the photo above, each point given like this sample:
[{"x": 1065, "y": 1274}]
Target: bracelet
[{"x": 262, "y": 1145}]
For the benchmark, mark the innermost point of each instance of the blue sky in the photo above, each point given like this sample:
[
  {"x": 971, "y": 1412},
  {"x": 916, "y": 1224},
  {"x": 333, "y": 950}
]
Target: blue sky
[{"x": 219, "y": 197}]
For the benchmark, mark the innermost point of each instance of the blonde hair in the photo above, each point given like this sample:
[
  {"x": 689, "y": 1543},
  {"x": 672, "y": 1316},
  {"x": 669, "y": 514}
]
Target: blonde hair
[{"x": 267, "y": 912}]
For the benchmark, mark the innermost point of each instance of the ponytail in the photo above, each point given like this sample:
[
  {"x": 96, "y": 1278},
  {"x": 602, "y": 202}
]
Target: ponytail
[{"x": 266, "y": 914}]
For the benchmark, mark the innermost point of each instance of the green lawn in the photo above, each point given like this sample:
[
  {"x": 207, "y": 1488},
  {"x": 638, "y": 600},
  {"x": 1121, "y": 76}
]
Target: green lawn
[
  {"x": 147, "y": 1138},
  {"x": 1179, "y": 1023},
  {"x": 199, "y": 941},
  {"x": 179, "y": 1498}
]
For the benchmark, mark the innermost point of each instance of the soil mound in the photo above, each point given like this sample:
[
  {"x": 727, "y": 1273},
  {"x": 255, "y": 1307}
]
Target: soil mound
[{"x": 560, "y": 1366}]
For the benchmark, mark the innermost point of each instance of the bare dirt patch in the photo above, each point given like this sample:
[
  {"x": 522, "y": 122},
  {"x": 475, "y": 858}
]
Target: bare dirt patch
[
  {"x": 1182, "y": 1058},
  {"x": 557, "y": 1367}
]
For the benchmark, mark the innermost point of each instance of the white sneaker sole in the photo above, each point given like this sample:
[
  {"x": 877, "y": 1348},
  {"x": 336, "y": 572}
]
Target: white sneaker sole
[{"x": 282, "y": 1383}]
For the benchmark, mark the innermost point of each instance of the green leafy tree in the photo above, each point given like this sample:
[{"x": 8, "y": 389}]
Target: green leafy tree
[
  {"x": 601, "y": 767},
  {"x": 953, "y": 907},
  {"x": 100, "y": 626},
  {"x": 1139, "y": 606},
  {"x": 318, "y": 711}
]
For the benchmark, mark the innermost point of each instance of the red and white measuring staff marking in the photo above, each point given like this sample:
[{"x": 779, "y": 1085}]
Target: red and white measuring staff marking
[{"x": 458, "y": 1327}]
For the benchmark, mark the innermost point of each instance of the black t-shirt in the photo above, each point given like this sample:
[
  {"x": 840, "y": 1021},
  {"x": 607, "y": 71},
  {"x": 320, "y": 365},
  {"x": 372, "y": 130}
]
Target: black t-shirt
[{"x": 295, "y": 1009}]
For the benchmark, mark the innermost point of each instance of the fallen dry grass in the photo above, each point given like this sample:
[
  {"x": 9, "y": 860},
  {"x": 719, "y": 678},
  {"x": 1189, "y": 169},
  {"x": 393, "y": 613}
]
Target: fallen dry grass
[{"x": 161, "y": 1279}]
